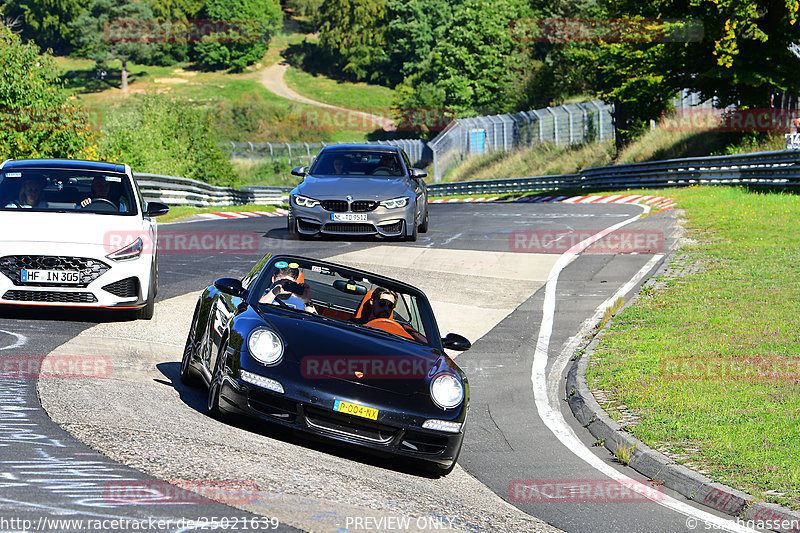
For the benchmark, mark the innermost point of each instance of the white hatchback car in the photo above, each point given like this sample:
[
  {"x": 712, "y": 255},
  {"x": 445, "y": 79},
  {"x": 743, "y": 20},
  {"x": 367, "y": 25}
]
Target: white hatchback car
[{"x": 77, "y": 234}]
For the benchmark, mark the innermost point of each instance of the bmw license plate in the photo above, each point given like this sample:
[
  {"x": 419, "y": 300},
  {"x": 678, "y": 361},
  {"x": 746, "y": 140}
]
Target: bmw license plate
[
  {"x": 349, "y": 217},
  {"x": 49, "y": 276},
  {"x": 355, "y": 409}
]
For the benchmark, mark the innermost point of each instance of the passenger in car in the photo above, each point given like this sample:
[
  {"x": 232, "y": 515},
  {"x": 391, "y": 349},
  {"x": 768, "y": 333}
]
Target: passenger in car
[
  {"x": 286, "y": 287},
  {"x": 30, "y": 195}
]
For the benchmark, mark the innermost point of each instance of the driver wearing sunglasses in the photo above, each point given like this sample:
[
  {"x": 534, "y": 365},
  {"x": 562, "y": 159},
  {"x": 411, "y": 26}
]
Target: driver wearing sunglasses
[{"x": 381, "y": 306}]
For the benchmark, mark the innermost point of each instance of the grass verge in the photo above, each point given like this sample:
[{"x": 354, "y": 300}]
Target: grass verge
[
  {"x": 370, "y": 98},
  {"x": 709, "y": 360}
]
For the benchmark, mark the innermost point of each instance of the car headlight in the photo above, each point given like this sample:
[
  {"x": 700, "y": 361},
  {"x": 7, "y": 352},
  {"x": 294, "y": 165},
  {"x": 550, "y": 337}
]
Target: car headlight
[
  {"x": 265, "y": 346},
  {"x": 304, "y": 201},
  {"x": 129, "y": 251},
  {"x": 447, "y": 391},
  {"x": 394, "y": 203}
]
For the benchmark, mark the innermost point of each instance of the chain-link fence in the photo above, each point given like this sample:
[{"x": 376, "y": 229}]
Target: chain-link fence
[
  {"x": 562, "y": 125},
  {"x": 464, "y": 137}
]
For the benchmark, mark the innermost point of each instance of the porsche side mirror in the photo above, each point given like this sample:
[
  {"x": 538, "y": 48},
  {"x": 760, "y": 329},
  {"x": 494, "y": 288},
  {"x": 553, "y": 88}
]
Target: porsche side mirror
[
  {"x": 230, "y": 286},
  {"x": 299, "y": 171},
  {"x": 156, "y": 209},
  {"x": 418, "y": 173},
  {"x": 454, "y": 341}
]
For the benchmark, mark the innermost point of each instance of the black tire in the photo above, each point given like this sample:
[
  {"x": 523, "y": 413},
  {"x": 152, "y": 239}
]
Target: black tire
[
  {"x": 146, "y": 312},
  {"x": 423, "y": 228},
  {"x": 413, "y": 236},
  {"x": 291, "y": 227},
  {"x": 215, "y": 386},
  {"x": 186, "y": 375}
]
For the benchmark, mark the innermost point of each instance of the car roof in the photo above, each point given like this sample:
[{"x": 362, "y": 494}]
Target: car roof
[
  {"x": 70, "y": 164},
  {"x": 383, "y": 148}
]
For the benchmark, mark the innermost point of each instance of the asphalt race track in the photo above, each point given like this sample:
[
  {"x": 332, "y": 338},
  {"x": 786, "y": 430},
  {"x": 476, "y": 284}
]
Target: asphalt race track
[{"x": 490, "y": 276}]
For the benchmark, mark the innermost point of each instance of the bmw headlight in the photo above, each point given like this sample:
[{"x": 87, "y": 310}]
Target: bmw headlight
[
  {"x": 129, "y": 251},
  {"x": 447, "y": 391},
  {"x": 265, "y": 346},
  {"x": 304, "y": 201},
  {"x": 394, "y": 203}
]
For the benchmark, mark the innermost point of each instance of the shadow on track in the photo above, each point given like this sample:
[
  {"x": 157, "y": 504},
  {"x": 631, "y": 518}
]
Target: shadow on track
[{"x": 196, "y": 399}]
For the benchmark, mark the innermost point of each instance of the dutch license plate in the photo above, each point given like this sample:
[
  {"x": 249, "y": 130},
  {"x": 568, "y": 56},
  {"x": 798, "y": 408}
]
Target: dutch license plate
[
  {"x": 349, "y": 217},
  {"x": 355, "y": 410},
  {"x": 49, "y": 276}
]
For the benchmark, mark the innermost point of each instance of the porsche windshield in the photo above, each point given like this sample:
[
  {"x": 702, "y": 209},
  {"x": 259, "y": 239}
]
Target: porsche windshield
[
  {"x": 336, "y": 294},
  {"x": 65, "y": 190},
  {"x": 357, "y": 163}
]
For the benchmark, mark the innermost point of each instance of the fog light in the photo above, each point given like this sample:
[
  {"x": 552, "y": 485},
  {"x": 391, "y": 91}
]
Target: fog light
[
  {"x": 261, "y": 381},
  {"x": 443, "y": 425}
]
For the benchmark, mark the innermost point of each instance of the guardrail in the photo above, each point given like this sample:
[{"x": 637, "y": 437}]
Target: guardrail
[
  {"x": 172, "y": 190},
  {"x": 776, "y": 169}
]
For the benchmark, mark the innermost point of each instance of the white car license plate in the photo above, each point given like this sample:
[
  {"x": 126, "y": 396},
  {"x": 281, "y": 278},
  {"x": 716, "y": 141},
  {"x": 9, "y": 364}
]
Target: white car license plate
[
  {"x": 349, "y": 217},
  {"x": 50, "y": 276}
]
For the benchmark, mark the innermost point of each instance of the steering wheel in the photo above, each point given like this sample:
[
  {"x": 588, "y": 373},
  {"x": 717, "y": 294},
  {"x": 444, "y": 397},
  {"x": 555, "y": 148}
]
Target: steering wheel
[
  {"x": 382, "y": 171},
  {"x": 15, "y": 203},
  {"x": 101, "y": 201}
]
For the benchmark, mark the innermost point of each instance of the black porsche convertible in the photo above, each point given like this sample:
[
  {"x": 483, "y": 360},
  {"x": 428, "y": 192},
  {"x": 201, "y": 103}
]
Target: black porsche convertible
[{"x": 334, "y": 351}]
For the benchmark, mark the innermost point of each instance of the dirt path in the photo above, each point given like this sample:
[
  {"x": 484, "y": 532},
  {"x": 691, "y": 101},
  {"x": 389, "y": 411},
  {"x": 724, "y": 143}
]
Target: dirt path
[{"x": 272, "y": 79}]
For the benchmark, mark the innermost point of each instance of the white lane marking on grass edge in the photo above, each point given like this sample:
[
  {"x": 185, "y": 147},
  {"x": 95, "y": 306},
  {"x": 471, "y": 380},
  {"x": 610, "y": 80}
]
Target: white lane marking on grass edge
[{"x": 554, "y": 420}]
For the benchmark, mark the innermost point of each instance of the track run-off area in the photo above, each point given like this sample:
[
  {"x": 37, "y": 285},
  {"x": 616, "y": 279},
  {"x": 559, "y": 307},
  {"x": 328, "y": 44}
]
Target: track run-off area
[{"x": 524, "y": 282}]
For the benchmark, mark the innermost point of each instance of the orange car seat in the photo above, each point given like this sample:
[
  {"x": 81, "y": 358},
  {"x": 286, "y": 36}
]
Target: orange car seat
[{"x": 390, "y": 326}]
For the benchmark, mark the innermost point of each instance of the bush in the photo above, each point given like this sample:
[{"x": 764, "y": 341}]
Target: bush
[
  {"x": 155, "y": 134},
  {"x": 36, "y": 119},
  {"x": 252, "y": 119}
]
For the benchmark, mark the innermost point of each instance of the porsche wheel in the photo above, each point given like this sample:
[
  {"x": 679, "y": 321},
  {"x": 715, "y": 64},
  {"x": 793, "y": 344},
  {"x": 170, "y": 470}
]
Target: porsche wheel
[
  {"x": 215, "y": 386},
  {"x": 186, "y": 375}
]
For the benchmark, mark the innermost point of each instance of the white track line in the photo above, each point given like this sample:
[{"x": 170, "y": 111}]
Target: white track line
[
  {"x": 21, "y": 340},
  {"x": 554, "y": 420}
]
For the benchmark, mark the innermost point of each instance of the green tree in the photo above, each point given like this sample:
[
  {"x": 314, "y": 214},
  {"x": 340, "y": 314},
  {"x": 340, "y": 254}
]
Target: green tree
[
  {"x": 352, "y": 33},
  {"x": 245, "y": 41},
  {"x": 46, "y": 22},
  {"x": 470, "y": 68},
  {"x": 36, "y": 118},
  {"x": 414, "y": 29},
  {"x": 114, "y": 29},
  {"x": 741, "y": 58}
]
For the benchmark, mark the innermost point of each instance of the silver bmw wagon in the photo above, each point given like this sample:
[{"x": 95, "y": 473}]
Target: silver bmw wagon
[{"x": 359, "y": 190}]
